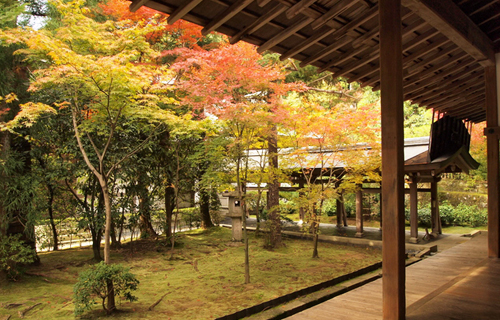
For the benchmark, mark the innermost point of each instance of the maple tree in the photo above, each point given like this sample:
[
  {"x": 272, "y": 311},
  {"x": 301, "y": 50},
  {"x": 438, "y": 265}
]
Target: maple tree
[
  {"x": 324, "y": 149},
  {"x": 169, "y": 36},
  {"x": 106, "y": 74},
  {"x": 233, "y": 84}
]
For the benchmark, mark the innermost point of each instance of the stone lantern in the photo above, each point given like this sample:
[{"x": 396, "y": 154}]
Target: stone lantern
[{"x": 235, "y": 208}]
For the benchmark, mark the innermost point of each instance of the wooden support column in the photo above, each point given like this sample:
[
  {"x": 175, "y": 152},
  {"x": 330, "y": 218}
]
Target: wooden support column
[
  {"x": 393, "y": 233},
  {"x": 344, "y": 214},
  {"x": 301, "y": 194},
  {"x": 359, "y": 213},
  {"x": 380, "y": 207},
  {"x": 434, "y": 208},
  {"x": 339, "y": 212},
  {"x": 413, "y": 210},
  {"x": 492, "y": 80}
]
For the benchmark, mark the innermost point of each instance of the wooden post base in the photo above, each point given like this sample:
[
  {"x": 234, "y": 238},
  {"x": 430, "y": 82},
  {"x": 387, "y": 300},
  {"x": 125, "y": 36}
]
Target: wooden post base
[{"x": 414, "y": 240}]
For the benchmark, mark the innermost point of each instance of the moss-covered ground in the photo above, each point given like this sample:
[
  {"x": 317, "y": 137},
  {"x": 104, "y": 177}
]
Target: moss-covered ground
[{"x": 204, "y": 280}]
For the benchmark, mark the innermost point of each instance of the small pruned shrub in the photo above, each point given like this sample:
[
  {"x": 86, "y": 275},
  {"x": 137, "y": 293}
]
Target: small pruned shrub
[
  {"x": 93, "y": 284},
  {"x": 14, "y": 255}
]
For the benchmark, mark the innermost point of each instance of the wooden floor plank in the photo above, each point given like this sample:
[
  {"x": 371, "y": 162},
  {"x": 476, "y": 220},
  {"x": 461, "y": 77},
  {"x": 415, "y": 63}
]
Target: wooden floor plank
[{"x": 459, "y": 283}]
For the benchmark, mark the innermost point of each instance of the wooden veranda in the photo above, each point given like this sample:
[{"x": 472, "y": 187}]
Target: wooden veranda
[
  {"x": 440, "y": 54},
  {"x": 459, "y": 284}
]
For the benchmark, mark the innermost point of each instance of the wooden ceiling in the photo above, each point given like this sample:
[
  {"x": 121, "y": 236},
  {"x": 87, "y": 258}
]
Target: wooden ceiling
[{"x": 446, "y": 43}]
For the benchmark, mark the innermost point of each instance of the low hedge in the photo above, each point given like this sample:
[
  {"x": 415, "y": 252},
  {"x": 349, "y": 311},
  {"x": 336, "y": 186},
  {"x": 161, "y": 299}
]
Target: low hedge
[{"x": 461, "y": 215}]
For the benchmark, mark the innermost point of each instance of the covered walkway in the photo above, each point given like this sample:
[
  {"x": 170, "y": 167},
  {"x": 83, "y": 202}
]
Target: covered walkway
[{"x": 459, "y": 283}]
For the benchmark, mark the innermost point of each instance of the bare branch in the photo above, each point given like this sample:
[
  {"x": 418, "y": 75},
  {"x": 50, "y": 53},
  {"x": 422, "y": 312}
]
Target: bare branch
[
  {"x": 131, "y": 153},
  {"x": 340, "y": 93},
  {"x": 80, "y": 146}
]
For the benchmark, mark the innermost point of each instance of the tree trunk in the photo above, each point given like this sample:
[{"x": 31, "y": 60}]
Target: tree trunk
[
  {"x": 114, "y": 241},
  {"x": 169, "y": 210},
  {"x": 51, "y": 216},
  {"x": 206, "y": 220},
  {"x": 315, "y": 231},
  {"x": 107, "y": 248},
  {"x": 145, "y": 225},
  {"x": 96, "y": 243},
  {"x": 111, "y": 306},
  {"x": 273, "y": 193}
]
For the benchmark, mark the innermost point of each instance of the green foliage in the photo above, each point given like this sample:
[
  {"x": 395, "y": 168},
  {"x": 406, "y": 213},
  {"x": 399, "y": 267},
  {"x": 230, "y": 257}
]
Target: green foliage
[
  {"x": 461, "y": 215},
  {"x": 13, "y": 255},
  {"x": 329, "y": 207},
  {"x": 191, "y": 216},
  {"x": 93, "y": 283},
  {"x": 287, "y": 207}
]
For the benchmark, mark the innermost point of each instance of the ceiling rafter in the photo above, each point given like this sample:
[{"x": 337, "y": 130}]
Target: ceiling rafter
[
  {"x": 225, "y": 15},
  {"x": 449, "y": 19},
  {"x": 334, "y": 12},
  {"x": 327, "y": 31},
  {"x": 468, "y": 65},
  {"x": 181, "y": 11},
  {"x": 259, "y": 23},
  {"x": 285, "y": 34},
  {"x": 435, "y": 90},
  {"x": 442, "y": 56}
]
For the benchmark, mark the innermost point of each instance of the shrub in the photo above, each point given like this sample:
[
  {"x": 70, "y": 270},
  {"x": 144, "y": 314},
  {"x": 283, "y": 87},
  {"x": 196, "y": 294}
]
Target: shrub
[
  {"x": 93, "y": 283},
  {"x": 461, "y": 215},
  {"x": 191, "y": 217},
  {"x": 330, "y": 208},
  {"x": 287, "y": 207},
  {"x": 14, "y": 254}
]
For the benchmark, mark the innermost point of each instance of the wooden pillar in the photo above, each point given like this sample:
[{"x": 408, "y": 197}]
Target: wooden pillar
[
  {"x": 359, "y": 213},
  {"x": 492, "y": 80},
  {"x": 380, "y": 208},
  {"x": 434, "y": 208},
  {"x": 413, "y": 210},
  {"x": 301, "y": 194},
  {"x": 393, "y": 233},
  {"x": 339, "y": 212},
  {"x": 344, "y": 213}
]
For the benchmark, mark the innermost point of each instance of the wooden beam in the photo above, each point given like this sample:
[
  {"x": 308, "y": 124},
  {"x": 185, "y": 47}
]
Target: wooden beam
[
  {"x": 327, "y": 31},
  {"x": 435, "y": 68},
  {"x": 359, "y": 213},
  {"x": 450, "y": 20},
  {"x": 136, "y": 4},
  {"x": 298, "y": 7},
  {"x": 259, "y": 23},
  {"x": 434, "y": 208},
  {"x": 334, "y": 12},
  {"x": 424, "y": 50},
  {"x": 372, "y": 54},
  {"x": 393, "y": 233},
  {"x": 225, "y": 15},
  {"x": 441, "y": 86},
  {"x": 262, "y": 3},
  {"x": 465, "y": 97},
  {"x": 408, "y": 46},
  {"x": 416, "y": 85},
  {"x": 182, "y": 11},
  {"x": 493, "y": 158},
  {"x": 448, "y": 90},
  {"x": 413, "y": 210},
  {"x": 366, "y": 37},
  {"x": 421, "y": 66},
  {"x": 331, "y": 48},
  {"x": 285, "y": 34}
]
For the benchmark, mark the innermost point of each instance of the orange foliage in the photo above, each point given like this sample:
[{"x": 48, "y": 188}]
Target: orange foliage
[
  {"x": 187, "y": 34},
  {"x": 228, "y": 80}
]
